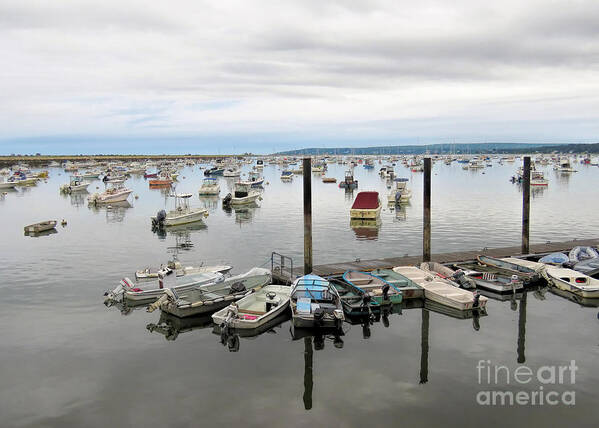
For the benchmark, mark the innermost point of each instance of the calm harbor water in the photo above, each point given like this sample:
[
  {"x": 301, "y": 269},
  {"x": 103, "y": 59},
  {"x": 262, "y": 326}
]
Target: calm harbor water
[{"x": 67, "y": 360}]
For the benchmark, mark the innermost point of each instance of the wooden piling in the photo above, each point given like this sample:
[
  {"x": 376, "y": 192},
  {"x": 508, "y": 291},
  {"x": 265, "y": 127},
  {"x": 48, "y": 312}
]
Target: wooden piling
[
  {"x": 426, "y": 226},
  {"x": 526, "y": 205},
  {"x": 307, "y": 170}
]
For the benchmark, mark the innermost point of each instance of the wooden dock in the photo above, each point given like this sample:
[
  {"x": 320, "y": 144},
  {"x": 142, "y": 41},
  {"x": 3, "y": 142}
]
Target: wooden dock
[{"x": 285, "y": 275}]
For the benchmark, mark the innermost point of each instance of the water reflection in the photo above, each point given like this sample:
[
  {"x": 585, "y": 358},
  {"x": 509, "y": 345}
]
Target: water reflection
[
  {"x": 243, "y": 213},
  {"x": 181, "y": 230},
  {"x": 171, "y": 326},
  {"x": 365, "y": 229},
  {"x": 115, "y": 211},
  {"x": 380, "y": 317},
  {"x": 314, "y": 340},
  {"x": 210, "y": 202},
  {"x": 231, "y": 337}
]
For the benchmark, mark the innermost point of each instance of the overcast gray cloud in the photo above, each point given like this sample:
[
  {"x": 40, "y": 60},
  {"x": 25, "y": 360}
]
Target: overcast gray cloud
[{"x": 436, "y": 69}]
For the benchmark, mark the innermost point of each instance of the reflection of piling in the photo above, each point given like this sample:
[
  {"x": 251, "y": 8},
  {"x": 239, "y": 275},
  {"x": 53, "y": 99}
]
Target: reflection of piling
[
  {"x": 426, "y": 227},
  {"x": 522, "y": 329},
  {"x": 424, "y": 347},
  {"x": 308, "y": 372},
  {"x": 526, "y": 205},
  {"x": 307, "y": 166}
]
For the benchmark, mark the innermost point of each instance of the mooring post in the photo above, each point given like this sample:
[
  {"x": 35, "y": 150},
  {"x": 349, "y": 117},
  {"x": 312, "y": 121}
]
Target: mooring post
[
  {"x": 522, "y": 329},
  {"x": 526, "y": 205},
  {"x": 307, "y": 167},
  {"x": 426, "y": 227}
]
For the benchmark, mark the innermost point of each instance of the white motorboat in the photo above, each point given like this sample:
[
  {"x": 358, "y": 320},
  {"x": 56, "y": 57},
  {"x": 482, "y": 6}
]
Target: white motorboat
[
  {"x": 210, "y": 186},
  {"x": 116, "y": 192},
  {"x": 231, "y": 172},
  {"x": 537, "y": 178},
  {"x": 182, "y": 214},
  {"x": 175, "y": 266},
  {"x": 563, "y": 278},
  {"x": 441, "y": 291},
  {"x": 243, "y": 193},
  {"x": 150, "y": 291},
  {"x": 76, "y": 184},
  {"x": 574, "y": 282},
  {"x": 7, "y": 185},
  {"x": 211, "y": 297},
  {"x": 401, "y": 192},
  {"x": 255, "y": 309}
]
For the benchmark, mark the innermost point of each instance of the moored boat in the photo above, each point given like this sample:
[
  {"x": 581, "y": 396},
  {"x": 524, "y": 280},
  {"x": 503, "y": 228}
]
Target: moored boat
[
  {"x": 255, "y": 309},
  {"x": 315, "y": 303},
  {"x": 210, "y": 186},
  {"x": 182, "y": 214},
  {"x": 381, "y": 291},
  {"x": 150, "y": 291},
  {"x": 441, "y": 291},
  {"x": 367, "y": 205},
  {"x": 242, "y": 194},
  {"x": 114, "y": 193},
  {"x": 40, "y": 227},
  {"x": 210, "y": 298}
]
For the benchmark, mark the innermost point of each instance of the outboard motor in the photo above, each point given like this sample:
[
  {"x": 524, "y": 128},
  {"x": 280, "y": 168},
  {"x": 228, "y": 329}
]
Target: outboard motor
[
  {"x": 237, "y": 287},
  {"x": 460, "y": 277},
  {"x": 385, "y": 292},
  {"x": 475, "y": 303},
  {"x": 397, "y": 197},
  {"x": 318, "y": 315},
  {"x": 227, "y": 200},
  {"x": 159, "y": 220}
]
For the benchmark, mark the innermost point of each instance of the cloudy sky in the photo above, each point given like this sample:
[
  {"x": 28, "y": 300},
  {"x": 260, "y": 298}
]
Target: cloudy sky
[{"x": 83, "y": 76}]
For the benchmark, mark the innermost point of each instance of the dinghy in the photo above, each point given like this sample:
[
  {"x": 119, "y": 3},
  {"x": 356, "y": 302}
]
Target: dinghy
[
  {"x": 211, "y": 297},
  {"x": 409, "y": 289},
  {"x": 529, "y": 272},
  {"x": 381, "y": 291},
  {"x": 40, "y": 227},
  {"x": 151, "y": 291},
  {"x": 256, "y": 309},
  {"x": 574, "y": 282},
  {"x": 179, "y": 270},
  {"x": 455, "y": 278},
  {"x": 439, "y": 290},
  {"x": 367, "y": 206},
  {"x": 315, "y": 303}
]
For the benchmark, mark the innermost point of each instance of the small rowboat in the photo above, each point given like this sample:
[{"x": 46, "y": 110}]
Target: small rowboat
[
  {"x": 40, "y": 227},
  {"x": 367, "y": 205},
  {"x": 439, "y": 290},
  {"x": 255, "y": 309},
  {"x": 160, "y": 183},
  {"x": 381, "y": 291},
  {"x": 409, "y": 289},
  {"x": 329, "y": 180}
]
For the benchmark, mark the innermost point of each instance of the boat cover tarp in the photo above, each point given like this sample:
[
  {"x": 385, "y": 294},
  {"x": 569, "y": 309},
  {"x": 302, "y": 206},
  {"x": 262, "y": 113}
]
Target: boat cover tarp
[
  {"x": 366, "y": 201},
  {"x": 554, "y": 258}
]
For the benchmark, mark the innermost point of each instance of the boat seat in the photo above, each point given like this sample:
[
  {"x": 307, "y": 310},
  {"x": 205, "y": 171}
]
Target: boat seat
[{"x": 249, "y": 311}]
